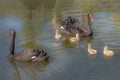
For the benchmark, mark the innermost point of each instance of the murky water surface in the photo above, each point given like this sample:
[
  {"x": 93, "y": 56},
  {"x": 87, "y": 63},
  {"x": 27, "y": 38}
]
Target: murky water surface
[{"x": 33, "y": 22}]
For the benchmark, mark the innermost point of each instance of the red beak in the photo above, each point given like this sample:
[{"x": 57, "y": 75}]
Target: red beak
[
  {"x": 91, "y": 17},
  {"x": 9, "y": 33}
]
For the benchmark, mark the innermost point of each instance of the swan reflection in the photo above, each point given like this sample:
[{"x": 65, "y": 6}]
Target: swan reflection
[{"x": 28, "y": 70}]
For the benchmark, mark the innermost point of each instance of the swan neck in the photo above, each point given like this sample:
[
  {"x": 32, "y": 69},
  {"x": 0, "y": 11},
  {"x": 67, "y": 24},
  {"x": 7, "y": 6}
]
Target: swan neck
[
  {"x": 12, "y": 46},
  {"x": 87, "y": 23}
]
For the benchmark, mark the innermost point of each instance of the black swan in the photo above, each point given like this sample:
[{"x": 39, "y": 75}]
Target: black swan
[
  {"x": 72, "y": 26},
  {"x": 28, "y": 54}
]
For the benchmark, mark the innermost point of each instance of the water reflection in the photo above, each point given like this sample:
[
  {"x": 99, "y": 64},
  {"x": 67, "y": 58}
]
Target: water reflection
[
  {"x": 29, "y": 31},
  {"x": 31, "y": 71},
  {"x": 67, "y": 44}
]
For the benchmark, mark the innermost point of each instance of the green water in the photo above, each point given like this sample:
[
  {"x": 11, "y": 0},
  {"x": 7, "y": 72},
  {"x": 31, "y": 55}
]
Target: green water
[{"x": 33, "y": 22}]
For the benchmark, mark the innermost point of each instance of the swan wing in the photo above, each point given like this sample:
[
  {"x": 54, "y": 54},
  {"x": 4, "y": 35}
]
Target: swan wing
[{"x": 28, "y": 54}]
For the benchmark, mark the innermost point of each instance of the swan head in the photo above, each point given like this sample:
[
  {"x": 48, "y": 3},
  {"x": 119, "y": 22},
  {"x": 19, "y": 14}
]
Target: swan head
[
  {"x": 90, "y": 15},
  {"x": 11, "y": 32}
]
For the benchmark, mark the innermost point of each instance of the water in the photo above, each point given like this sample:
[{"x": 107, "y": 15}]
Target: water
[{"x": 32, "y": 20}]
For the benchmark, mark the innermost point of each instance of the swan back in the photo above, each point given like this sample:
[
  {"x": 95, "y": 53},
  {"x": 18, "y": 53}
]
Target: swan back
[
  {"x": 72, "y": 25},
  {"x": 31, "y": 55}
]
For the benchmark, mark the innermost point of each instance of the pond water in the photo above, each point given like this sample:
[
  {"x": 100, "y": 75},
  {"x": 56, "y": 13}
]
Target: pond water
[{"x": 32, "y": 21}]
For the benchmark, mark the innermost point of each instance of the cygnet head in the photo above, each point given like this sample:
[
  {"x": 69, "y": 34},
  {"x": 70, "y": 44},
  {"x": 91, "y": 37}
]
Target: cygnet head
[
  {"x": 89, "y": 45},
  {"x": 57, "y": 31},
  {"x": 105, "y": 47},
  {"x": 77, "y": 35}
]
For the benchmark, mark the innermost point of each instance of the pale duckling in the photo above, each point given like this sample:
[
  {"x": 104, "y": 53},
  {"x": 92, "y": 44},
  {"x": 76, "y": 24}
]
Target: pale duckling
[
  {"x": 107, "y": 52},
  {"x": 75, "y": 39},
  {"x": 90, "y": 50},
  {"x": 57, "y": 35}
]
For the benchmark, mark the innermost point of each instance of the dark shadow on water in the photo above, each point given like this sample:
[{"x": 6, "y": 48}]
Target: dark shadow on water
[{"x": 28, "y": 69}]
